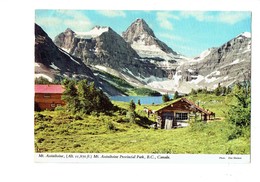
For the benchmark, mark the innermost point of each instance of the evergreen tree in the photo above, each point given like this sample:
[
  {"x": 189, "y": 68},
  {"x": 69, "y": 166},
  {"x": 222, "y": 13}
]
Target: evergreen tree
[
  {"x": 85, "y": 97},
  {"x": 193, "y": 92},
  {"x": 218, "y": 90},
  {"x": 139, "y": 102},
  {"x": 239, "y": 112},
  {"x": 70, "y": 95},
  {"x": 165, "y": 98},
  {"x": 176, "y": 95},
  {"x": 131, "y": 111},
  {"x": 102, "y": 102},
  {"x": 224, "y": 90},
  {"x": 132, "y": 106},
  {"x": 229, "y": 90},
  {"x": 205, "y": 90}
]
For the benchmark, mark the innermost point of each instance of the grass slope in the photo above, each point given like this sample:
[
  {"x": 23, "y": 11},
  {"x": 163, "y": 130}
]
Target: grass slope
[
  {"x": 123, "y": 86},
  {"x": 59, "y": 131}
]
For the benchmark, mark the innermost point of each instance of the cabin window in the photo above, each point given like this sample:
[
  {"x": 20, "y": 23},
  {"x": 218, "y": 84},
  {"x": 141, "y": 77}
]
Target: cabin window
[
  {"x": 46, "y": 95},
  {"x": 181, "y": 116},
  {"x": 58, "y": 104},
  {"x": 52, "y": 105}
]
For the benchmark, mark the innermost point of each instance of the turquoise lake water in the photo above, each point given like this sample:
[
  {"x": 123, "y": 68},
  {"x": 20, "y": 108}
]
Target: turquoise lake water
[{"x": 143, "y": 99}]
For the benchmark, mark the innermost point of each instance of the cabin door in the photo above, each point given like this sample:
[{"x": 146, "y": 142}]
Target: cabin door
[{"x": 168, "y": 122}]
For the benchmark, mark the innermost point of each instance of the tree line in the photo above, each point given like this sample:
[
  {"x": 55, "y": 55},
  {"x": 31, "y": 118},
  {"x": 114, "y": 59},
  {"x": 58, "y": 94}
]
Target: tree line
[
  {"x": 83, "y": 97},
  {"x": 218, "y": 91}
]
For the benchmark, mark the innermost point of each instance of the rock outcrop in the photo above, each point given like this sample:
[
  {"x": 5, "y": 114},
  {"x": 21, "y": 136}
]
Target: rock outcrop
[
  {"x": 103, "y": 48},
  {"x": 53, "y": 63},
  {"x": 225, "y": 65}
]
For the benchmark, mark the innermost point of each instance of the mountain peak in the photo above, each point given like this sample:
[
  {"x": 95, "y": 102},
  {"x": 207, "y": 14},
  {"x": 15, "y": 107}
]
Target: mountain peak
[
  {"x": 141, "y": 37},
  {"x": 138, "y": 29},
  {"x": 69, "y": 30},
  {"x": 246, "y": 34}
]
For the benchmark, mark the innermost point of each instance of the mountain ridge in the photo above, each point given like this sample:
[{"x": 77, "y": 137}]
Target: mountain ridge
[
  {"x": 108, "y": 49},
  {"x": 158, "y": 68},
  {"x": 228, "y": 64}
]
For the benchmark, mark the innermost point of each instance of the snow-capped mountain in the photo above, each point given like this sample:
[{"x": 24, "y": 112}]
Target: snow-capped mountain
[
  {"x": 227, "y": 64},
  {"x": 104, "y": 49},
  {"x": 53, "y": 63},
  {"x": 142, "y": 39},
  {"x": 143, "y": 60}
]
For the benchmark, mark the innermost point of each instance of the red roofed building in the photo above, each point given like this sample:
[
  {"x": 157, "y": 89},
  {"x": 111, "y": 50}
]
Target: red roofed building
[{"x": 48, "y": 97}]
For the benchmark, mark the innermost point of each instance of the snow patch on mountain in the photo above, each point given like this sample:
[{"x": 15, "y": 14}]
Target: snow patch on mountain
[
  {"x": 95, "y": 32},
  {"x": 54, "y": 66},
  {"x": 38, "y": 75},
  {"x": 163, "y": 85},
  {"x": 69, "y": 56},
  {"x": 198, "y": 79},
  {"x": 236, "y": 61},
  {"x": 246, "y": 34},
  {"x": 201, "y": 56}
]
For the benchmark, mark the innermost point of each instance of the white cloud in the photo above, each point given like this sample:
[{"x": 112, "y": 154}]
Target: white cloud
[
  {"x": 48, "y": 21},
  {"x": 76, "y": 20},
  {"x": 232, "y": 17},
  {"x": 228, "y": 17},
  {"x": 56, "y": 21},
  {"x": 112, "y": 13},
  {"x": 164, "y": 19},
  {"x": 198, "y": 15}
]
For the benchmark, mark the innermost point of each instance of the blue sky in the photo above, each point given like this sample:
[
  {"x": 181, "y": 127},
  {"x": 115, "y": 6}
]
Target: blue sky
[{"x": 187, "y": 32}]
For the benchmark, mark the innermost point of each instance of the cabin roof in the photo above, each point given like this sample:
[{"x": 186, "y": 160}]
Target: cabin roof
[
  {"x": 192, "y": 104},
  {"x": 55, "y": 89}
]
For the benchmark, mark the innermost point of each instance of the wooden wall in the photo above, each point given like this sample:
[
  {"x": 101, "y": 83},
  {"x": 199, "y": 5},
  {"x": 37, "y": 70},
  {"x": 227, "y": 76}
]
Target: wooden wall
[{"x": 47, "y": 101}]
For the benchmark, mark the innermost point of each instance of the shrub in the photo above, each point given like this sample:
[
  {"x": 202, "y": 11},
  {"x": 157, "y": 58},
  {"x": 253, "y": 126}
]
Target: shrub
[
  {"x": 40, "y": 140},
  {"x": 111, "y": 126},
  {"x": 239, "y": 112},
  {"x": 197, "y": 126},
  {"x": 78, "y": 117},
  {"x": 41, "y": 117},
  {"x": 131, "y": 116},
  {"x": 165, "y": 98},
  {"x": 59, "y": 108},
  {"x": 76, "y": 145},
  {"x": 94, "y": 113}
]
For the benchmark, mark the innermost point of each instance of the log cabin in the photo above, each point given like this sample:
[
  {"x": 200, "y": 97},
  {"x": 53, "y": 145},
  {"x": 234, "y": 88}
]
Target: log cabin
[
  {"x": 47, "y": 97},
  {"x": 178, "y": 114}
]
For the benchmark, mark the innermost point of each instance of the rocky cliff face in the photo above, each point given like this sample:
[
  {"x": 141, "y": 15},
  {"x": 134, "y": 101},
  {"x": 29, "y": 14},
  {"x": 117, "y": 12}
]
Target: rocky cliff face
[
  {"x": 147, "y": 45},
  {"x": 143, "y": 40},
  {"x": 143, "y": 60},
  {"x": 226, "y": 64},
  {"x": 105, "y": 49},
  {"x": 53, "y": 63}
]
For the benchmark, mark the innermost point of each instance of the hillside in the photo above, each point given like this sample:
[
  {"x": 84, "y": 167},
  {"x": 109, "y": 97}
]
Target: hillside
[
  {"x": 53, "y": 63},
  {"x": 60, "y": 131}
]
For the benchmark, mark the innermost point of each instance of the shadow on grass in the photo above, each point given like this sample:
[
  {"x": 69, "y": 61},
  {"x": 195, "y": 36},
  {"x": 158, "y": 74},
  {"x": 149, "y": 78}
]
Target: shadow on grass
[{"x": 144, "y": 121}]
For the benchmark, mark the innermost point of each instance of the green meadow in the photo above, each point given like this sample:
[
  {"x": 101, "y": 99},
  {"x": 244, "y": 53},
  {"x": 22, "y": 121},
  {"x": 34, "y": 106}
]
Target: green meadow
[{"x": 61, "y": 131}]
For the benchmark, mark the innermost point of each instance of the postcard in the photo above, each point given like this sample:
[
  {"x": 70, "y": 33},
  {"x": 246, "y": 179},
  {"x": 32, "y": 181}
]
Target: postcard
[{"x": 142, "y": 86}]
